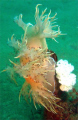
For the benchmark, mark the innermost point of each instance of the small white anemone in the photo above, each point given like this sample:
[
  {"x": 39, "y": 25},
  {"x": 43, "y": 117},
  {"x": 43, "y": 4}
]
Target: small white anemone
[{"x": 64, "y": 75}]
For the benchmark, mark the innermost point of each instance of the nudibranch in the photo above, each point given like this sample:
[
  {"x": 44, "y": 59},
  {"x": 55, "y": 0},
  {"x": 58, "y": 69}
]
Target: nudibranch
[{"x": 35, "y": 64}]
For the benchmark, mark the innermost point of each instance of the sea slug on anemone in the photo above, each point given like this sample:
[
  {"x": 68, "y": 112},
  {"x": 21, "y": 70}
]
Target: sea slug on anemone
[{"x": 36, "y": 63}]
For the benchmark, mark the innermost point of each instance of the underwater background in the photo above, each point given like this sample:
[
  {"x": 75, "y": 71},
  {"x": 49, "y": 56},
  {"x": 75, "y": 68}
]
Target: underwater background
[{"x": 66, "y": 48}]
